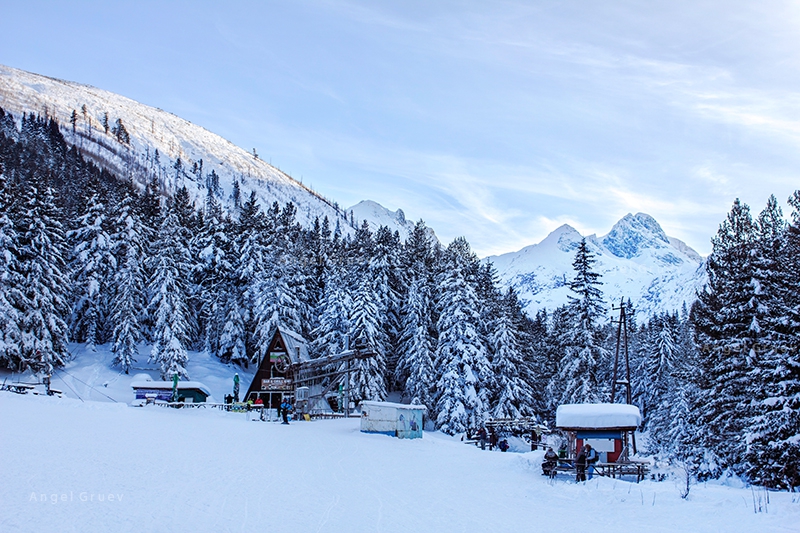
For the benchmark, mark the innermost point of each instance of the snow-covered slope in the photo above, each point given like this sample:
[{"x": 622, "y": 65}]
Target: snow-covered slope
[
  {"x": 636, "y": 260},
  {"x": 93, "y": 466},
  {"x": 152, "y": 129}
]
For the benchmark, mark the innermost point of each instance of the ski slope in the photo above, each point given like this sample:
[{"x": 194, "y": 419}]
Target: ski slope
[{"x": 100, "y": 466}]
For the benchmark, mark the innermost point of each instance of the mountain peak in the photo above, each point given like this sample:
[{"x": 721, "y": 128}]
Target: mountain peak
[
  {"x": 377, "y": 215},
  {"x": 634, "y": 233}
]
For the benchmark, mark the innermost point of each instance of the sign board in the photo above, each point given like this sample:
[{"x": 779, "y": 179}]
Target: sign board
[{"x": 282, "y": 384}]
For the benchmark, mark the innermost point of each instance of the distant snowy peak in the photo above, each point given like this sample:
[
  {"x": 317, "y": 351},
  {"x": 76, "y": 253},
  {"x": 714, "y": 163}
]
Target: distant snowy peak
[
  {"x": 88, "y": 118},
  {"x": 376, "y": 216},
  {"x": 636, "y": 260},
  {"x": 633, "y": 234}
]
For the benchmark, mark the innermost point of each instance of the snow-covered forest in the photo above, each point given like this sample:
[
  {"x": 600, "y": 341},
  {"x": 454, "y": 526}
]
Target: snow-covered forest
[{"x": 88, "y": 257}]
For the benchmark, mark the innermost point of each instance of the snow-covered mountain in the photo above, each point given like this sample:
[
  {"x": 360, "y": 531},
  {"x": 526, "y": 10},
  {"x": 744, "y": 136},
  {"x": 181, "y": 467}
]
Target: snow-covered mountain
[
  {"x": 377, "y": 215},
  {"x": 152, "y": 129},
  {"x": 636, "y": 260}
]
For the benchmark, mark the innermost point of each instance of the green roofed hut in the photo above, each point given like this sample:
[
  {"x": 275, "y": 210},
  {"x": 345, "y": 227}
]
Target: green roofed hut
[{"x": 161, "y": 391}]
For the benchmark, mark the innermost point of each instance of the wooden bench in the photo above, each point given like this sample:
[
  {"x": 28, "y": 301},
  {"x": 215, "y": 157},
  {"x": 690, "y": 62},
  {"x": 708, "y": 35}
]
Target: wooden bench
[{"x": 635, "y": 469}]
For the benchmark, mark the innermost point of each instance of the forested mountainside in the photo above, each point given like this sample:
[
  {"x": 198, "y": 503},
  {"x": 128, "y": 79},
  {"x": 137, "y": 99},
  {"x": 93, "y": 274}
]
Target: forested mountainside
[
  {"x": 135, "y": 141},
  {"x": 87, "y": 257}
]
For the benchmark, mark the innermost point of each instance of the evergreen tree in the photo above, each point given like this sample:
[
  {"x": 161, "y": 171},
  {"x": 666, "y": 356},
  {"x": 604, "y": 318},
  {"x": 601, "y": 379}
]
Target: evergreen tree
[
  {"x": 515, "y": 397},
  {"x": 40, "y": 296},
  {"x": 584, "y": 355},
  {"x": 333, "y": 323},
  {"x": 415, "y": 372},
  {"x": 167, "y": 306},
  {"x": 10, "y": 335},
  {"x": 212, "y": 275},
  {"x": 370, "y": 381},
  {"x": 92, "y": 265},
  {"x": 724, "y": 324},
  {"x": 773, "y": 453},
  {"x": 128, "y": 303},
  {"x": 461, "y": 363}
]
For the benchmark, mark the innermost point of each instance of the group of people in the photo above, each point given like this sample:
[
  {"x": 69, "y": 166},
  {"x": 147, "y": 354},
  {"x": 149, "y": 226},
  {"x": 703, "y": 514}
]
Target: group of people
[
  {"x": 284, "y": 409},
  {"x": 584, "y": 463},
  {"x": 494, "y": 440}
]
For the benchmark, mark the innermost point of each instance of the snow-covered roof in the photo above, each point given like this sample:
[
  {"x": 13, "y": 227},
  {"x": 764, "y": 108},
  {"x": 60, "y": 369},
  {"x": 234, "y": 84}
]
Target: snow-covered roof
[
  {"x": 597, "y": 416},
  {"x": 294, "y": 341},
  {"x": 168, "y": 385},
  {"x": 369, "y": 403}
]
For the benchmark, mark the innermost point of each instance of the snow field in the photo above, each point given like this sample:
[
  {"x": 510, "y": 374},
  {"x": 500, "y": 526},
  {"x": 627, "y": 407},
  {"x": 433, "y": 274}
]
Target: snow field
[{"x": 206, "y": 470}]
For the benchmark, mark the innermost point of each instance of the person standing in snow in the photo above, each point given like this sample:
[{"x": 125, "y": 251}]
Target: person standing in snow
[
  {"x": 285, "y": 408},
  {"x": 580, "y": 466},
  {"x": 482, "y": 438},
  {"x": 591, "y": 459},
  {"x": 492, "y": 439}
]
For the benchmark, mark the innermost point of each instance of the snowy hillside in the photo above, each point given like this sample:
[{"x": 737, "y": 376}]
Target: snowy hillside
[
  {"x": 109, "y": 467},
  {"x": 152, "y": 129},
  {"x": 636, "y": 260}
]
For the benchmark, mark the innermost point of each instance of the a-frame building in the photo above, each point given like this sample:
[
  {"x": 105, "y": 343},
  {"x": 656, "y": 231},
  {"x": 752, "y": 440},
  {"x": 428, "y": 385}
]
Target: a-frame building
[{"x": 274, "y": 379}]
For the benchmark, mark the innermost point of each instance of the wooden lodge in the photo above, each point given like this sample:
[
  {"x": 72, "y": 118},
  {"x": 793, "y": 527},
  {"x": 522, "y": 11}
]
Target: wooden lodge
[{"x": 274, "y": 379}]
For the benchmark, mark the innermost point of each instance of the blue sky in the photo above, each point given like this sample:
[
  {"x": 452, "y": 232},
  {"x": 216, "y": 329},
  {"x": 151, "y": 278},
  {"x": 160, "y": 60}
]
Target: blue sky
[{"x": 495, "y": 120}]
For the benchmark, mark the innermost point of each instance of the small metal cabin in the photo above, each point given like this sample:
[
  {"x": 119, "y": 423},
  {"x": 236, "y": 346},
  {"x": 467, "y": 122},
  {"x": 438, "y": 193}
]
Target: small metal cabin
[
  {"x": 188, "y": 391},
  {"x": 274, "y": 379},
  {"x": 396, "y": 419},
  {"x": 605, "y": 426}
]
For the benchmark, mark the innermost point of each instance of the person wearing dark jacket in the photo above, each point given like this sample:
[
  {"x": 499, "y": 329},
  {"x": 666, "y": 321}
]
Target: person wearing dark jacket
[
  {"x": 580, "y": 466},
  {"x": 550, "y": 463},
  {"x": 482, "y": 438},
  {"x": 591, "y": 459}
]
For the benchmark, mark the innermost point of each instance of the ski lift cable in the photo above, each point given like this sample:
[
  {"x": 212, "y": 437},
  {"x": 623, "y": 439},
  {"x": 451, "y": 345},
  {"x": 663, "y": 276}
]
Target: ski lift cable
[
  {"x": 70, "y": 387},
  {"x": 90, "y": 386}
]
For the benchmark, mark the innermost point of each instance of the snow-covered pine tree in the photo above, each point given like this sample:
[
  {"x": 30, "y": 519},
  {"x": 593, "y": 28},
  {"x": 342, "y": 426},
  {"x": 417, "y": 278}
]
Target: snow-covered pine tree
[
  {"x": 212, "y": 274},
  {"x": 369, "y": 383},
  {"x": 9, "y": 315},
  {"x": 251, "y": 238},
  {"x": 387, "y": 284},
  {"x": 584, "y": 354},
  {"x": 232, "y": 341},
  {"x": 92, "y": 264},
  {"x": 514, "y": 396},
  {"x": 333, "y": 312},
  {"x": 129, "y": 280},
  {"x": 773, "y": 453},
  {"x": 40, "y": 297},
  {"x": 414, "y": 373},
  {"x": 723, "y": 321},
  {"x": 660, "y": 354},
  {"x": 277, "y": 288},
  {"x": 461, "y": 361},
  {"x": 170, "y": 265}
]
